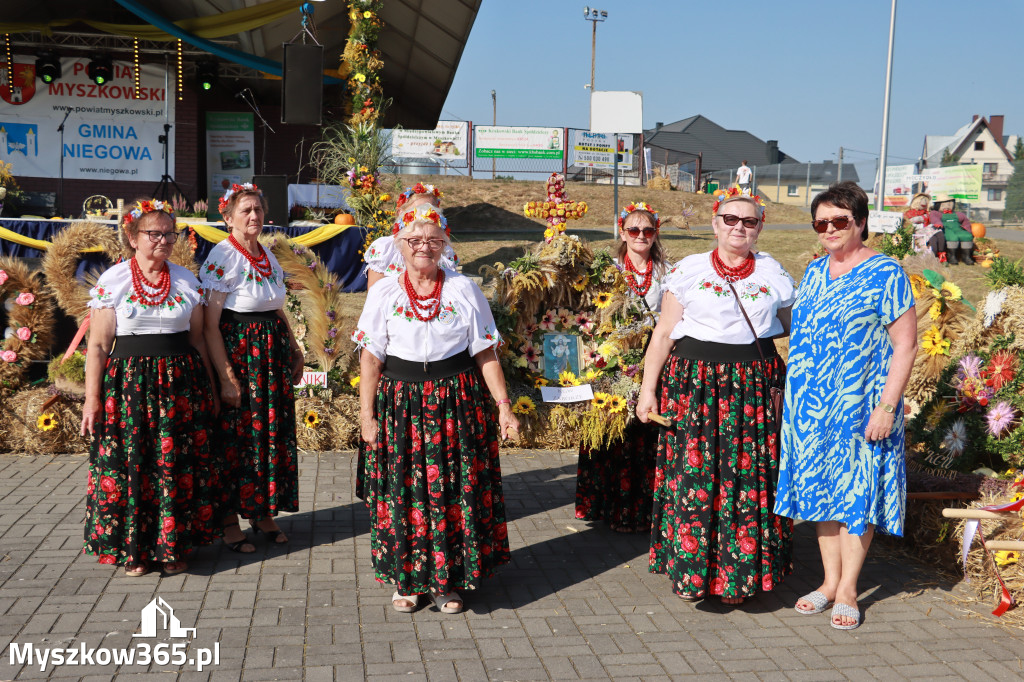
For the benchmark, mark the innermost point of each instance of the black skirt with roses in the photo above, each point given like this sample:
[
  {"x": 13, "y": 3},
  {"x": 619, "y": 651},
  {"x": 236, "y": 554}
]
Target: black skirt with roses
[
  {"x": 433, "y": 485},
  {"x": 713, "y": 531},
  {"x": 258, "y": 438},
  {"x": 616, "y": 482},
  {"x": 153, "y": 482}
]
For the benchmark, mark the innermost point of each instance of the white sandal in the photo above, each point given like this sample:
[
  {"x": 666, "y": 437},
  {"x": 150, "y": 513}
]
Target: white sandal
[
  {"x": 412, "y": 599},
  {"x": 442, "y": 602}
]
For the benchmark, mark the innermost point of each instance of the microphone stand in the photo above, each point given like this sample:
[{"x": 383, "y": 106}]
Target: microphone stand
[
  {"x": 60, "y": 184},
  {"x": 251, "y": 101}
]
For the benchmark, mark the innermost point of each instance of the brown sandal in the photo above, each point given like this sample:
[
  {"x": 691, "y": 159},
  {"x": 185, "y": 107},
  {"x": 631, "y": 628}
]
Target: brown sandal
[{"x": 136, "y": 569}]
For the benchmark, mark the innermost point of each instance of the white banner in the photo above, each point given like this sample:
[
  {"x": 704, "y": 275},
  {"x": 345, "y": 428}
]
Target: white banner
[
  {"x": 108, "y": 135},
  {"x": 598, "y": 150},
  {"x": 884, "y": 221},
  {"x": 898, "y": 185},
  {"x": 449, "y": 140},
  {"x": 518, "y": 142}
]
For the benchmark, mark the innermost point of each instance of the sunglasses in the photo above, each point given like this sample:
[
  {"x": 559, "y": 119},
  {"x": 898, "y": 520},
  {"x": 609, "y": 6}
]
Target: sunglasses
[
  {"x": 840, "y": 222},
  {"x": 730, "y": 220},
  {"x": 634, "y": 232}
]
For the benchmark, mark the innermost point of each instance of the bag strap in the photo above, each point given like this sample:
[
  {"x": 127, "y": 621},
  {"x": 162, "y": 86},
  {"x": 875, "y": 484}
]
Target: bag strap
[{"x": 750, "y": 324}]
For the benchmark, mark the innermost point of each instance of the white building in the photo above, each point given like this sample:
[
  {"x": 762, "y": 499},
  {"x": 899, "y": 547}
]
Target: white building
[{"x": 979, "y": 142}]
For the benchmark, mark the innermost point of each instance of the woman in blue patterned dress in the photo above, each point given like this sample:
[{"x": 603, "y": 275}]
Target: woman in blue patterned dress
[{"x": 854, "y": 339}]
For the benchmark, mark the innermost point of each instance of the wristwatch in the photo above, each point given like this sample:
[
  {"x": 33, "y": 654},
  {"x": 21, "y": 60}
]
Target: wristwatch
[{"x": 886, "y": 407}]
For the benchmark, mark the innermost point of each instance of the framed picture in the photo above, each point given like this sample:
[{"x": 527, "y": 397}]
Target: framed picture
[{"x": 561, "y": 354}]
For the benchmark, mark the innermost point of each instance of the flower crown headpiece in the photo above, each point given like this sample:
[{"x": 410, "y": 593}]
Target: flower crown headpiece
[
  {"x": 425, "y": 213},
  {"x": 419, "y": 188},
  {"x": 147, "y": 206},
  {"x": 732, "y": 193},
  {"x": 223, "y": 203},
  {"x": 639, "y": 206}
]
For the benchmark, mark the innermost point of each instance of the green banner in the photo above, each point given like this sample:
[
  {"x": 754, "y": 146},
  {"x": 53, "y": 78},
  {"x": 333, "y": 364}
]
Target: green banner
[
  {"x": 519, "y": 153},
  {"x": 223, "y": 120}
]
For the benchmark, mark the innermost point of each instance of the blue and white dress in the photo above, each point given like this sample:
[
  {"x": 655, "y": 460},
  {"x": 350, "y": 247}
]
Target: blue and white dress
[{"x": 839, "y": 358}]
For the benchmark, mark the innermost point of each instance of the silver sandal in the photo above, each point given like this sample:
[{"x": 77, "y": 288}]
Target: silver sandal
[
  {"x": 818, "y": 600},
  {"x": 412, "y": 599},
  {"x": 442, "y": 601}
]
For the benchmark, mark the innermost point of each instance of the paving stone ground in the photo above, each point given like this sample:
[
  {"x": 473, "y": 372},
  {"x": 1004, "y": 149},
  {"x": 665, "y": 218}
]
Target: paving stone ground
[{"x": 576, "y": 602}]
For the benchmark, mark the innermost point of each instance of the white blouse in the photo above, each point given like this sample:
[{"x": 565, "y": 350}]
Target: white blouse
[
  {"x": 709, "y": 311},
  {"x": 227, "y": 270},
  {"x": 387, "y": 325},
  {"x": 384, "y": 257},
  {"x": 114, "y": 290}
]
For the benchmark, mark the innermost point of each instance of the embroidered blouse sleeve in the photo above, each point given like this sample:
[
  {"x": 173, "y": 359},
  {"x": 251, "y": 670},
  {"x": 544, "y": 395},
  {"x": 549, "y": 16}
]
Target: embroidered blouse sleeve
[
  {"x": 677, "y": 281},
  {"x": 482, "y": 329},
  {"x": 384, "y": 257},
  {"x": 221, "y": 271},
  {"x": 897, "y": 294},
  {"x": 189, "y": 286},
  {"x": 784, "y": 284},
  {"x": 111, "y": 284},
  {"x": 372, "y": 329}
]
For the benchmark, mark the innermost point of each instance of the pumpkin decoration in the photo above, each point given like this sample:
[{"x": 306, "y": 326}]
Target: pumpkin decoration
[
  {"x": 344, "y": 219},
  {"x": 978, "y": 230}
]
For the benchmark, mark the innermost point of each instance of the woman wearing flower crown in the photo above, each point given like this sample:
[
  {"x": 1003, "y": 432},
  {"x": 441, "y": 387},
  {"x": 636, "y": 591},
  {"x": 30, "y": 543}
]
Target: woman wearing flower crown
[
  {"x": 430, "y": 372},
  {"x": 384, "y": 258},
  {"x": 616, "y": 482},
  {"x": 257, "y": 361},
  {"x": 709, "y": 369},
  {"x": 148, "y": 403}
]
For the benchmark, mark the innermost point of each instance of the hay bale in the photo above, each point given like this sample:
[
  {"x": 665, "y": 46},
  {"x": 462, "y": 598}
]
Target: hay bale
[
  {"x": 337, "y": 426},
  {"x": 19, "y": 431}
]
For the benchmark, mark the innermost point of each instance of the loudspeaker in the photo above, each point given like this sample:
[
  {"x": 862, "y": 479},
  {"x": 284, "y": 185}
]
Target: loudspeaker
[
  {"x": 275, "y": 191},
  {"x": 302, "y": 87}
]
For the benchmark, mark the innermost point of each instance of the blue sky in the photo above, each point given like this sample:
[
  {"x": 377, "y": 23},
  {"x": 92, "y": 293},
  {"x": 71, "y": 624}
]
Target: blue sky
[{"x": 809, "y": 74}]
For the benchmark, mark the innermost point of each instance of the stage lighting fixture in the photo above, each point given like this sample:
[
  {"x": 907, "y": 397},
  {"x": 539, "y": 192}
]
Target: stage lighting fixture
[
  {"x": 100, "y": 70},
  {"x": 206, "y": 74},
  {"x": 48, "y": 66}
]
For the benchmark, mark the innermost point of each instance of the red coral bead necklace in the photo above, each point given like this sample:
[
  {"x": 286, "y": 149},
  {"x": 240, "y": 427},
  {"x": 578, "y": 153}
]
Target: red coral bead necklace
[
  {"x": 261, "y": 265},
  {"x": 632, "y": 273},
  {"x": 430, "y": 310},
  {"x": 731, "y": 274},
  {"x": 150, "y": 294}
]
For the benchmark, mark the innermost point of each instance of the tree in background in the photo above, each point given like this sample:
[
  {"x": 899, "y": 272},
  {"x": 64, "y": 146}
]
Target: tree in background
[
  {"x": 1018, "y": 150},
  {"x": 947, "y": 158},
  {"x": 1014, "y": 208}
]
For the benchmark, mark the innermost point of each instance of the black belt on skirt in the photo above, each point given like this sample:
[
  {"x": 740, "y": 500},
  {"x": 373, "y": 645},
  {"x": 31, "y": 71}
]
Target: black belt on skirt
[
  {"x": 151, "y": 345},
  {"x": 709, "y": 351},
  {"x": 416, "y": 371},
  {"x": 228, "y": 315}
]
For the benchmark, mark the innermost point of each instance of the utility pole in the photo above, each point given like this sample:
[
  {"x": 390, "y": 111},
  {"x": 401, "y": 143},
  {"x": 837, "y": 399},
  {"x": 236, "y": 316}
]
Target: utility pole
[
  {"x": 494, "y": 122},
  {"x": 839, "y": 174},
  {"x": 593, "y": 16},
  {"x": 880, "y": 190},
  {"x": 807, "y": 193}
]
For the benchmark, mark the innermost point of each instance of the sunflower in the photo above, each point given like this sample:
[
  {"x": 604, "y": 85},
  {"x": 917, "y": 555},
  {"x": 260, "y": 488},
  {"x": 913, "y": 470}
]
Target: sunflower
[
  {"x": 1006, "y": 558},
  {"x": 580, "y": 283},
  {"x": 616, "y": 403},
  {"x": 918, "y": 284},
  {"x": 46, "y": 422},
  {"x": 568, "y": 379},
  {"x": 600, "y": 400},
  {"x": 591, "y": 374},
  {"x": 603, "y": 299},
  {"x": 540, "y": 381},
  {"x": 353, "y": 382},
  {"x": 933, "y": 342},
  {"x": 951, "y": 292},
  {"x": 312, "y": 419},
  {"x": 936, "y": 309},
  {"x": 524, "y": 405}
]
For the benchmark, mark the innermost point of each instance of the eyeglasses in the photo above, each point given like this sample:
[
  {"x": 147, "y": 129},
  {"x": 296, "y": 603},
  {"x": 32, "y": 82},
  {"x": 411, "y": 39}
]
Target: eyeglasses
[
  {"x": 156, "y": 236},
  {"x": 634, "y": 232},
  {"x": 730, "y": 220},
  {"x": 841, "y": 222},
  {"x": 431, "y": 244}
]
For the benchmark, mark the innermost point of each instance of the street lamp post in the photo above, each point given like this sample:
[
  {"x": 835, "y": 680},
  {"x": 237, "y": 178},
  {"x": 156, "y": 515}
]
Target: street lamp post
[
  {"x": 494, "y": 122},
  {"x": 593, "y": 16}
]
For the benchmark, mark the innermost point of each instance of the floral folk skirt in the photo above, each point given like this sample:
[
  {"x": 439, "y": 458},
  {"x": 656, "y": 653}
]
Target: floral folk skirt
[
  {"x": 616, "y": 483},
  {"x": 152, "y": 482},
  {"x": 258, "y": 438},
  {"x": 433, "y": 486},
  {"x": 713, "y": 531}
]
